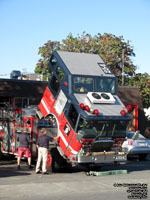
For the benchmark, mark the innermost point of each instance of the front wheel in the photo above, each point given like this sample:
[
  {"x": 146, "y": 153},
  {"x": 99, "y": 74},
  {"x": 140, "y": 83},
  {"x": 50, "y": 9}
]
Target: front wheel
[
  {"x": 1, "y": 154},
  {"x": 58, "y": 162}
]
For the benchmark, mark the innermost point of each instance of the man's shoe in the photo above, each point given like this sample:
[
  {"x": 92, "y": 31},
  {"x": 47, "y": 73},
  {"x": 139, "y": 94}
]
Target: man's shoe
[
  {"x": 38, "y": 172},
  {"x": 18, "y": 167},
  {"x": 45, "y": 173},
  {"x": 30, "y": 167}
]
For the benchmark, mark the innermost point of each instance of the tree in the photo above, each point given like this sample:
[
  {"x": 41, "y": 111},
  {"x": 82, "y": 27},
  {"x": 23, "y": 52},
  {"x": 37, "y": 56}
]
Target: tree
[
  {"x": 142, "y": 81},
  {"x": 108, "y": 46},
  {"x": 45, "y": 52}
]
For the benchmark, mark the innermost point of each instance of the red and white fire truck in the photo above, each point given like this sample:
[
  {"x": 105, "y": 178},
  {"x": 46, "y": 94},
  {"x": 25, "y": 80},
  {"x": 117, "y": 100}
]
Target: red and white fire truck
[
  {"x": 11, "y": 123},
  {"x": 82, "y": 99},
  {"x": 82, "y": 106}
]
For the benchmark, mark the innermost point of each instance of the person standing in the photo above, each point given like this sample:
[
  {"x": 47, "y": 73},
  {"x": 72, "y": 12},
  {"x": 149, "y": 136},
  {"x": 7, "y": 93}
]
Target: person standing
[
  {"x": 42, "y": 146},
  {"x": 23, "y": 149}
]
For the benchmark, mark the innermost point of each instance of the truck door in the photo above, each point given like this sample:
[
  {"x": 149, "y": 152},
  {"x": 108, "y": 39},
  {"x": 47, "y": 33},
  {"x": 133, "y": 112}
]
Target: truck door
[
  {"x": 8, "y": 137},
  {"x": 70, "y": 145},
  {"x": 18, "y": 123},
  {"x": 49, "y": 97},
  {"x": 31, "y": 124}
]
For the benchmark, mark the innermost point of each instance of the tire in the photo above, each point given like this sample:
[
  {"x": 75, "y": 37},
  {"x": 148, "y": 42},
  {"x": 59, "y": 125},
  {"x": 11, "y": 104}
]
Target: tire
[
  {"x": 58, "y": 162},
  {"x": 1, "y": 155}
]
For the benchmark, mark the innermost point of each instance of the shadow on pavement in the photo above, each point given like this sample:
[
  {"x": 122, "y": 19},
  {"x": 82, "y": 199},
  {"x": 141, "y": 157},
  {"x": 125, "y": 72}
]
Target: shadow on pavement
[
  {"x": 130, "y": 166},
  {"x": 8, "y": 168},
  {"x": 7, "y": 172}
]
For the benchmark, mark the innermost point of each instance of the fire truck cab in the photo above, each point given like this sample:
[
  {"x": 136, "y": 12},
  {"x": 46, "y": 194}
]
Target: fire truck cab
[{"x": 81, "y": 99}]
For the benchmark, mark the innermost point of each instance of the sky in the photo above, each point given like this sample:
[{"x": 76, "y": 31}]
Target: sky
[{"x": 26, "y": 25}]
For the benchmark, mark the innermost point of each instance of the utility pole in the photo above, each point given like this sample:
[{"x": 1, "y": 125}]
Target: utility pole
[{"x": 123, "y": 50}]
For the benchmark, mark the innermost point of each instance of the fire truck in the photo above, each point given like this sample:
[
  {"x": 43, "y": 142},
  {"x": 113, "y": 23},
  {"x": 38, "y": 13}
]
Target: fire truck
[
  {"x": 81, "y": 105},
  {"x": 12, "y": 121},
  {"x": 82, "y": 100}
]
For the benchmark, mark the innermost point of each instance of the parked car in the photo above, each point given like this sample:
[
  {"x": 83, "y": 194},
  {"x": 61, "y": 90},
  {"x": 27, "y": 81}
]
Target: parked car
[{"x": 136, "y": 145}]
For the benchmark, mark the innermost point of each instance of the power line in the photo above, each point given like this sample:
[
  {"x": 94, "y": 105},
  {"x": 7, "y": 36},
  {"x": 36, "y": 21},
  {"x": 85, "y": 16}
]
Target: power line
[{"x": 123, "y": 50}]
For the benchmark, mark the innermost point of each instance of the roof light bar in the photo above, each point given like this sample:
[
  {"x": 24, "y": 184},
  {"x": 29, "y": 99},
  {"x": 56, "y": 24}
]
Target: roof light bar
[{"x": 88, "y": 109}]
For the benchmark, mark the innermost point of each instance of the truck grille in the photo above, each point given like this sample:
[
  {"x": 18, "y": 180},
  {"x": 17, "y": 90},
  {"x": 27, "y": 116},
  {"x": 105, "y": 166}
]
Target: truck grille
[{"x": 102, "y": 145}]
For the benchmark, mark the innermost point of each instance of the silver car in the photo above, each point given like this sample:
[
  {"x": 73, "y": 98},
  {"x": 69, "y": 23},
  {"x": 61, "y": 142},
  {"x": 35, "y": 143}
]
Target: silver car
[{"x": 136, "y": 145}]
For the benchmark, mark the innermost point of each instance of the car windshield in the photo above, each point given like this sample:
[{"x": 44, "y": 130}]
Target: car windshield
[
  {"x": 84, "y": 84},
  {"x": 96, "y": 128},
  {"x": 132, "y": 135}
]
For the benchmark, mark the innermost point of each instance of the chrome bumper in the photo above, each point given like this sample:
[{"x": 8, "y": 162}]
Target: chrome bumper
[{"x": 100, "y": 157}]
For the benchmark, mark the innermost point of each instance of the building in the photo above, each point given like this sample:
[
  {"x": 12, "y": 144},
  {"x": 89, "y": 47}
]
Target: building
[
  {"x": 22, "y": 93},
  {"x": 131, "y": 95},
  {"x": 36, "y": 77}
]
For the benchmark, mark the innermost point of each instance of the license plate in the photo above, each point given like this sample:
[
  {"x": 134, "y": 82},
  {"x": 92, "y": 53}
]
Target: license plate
[{"x": 142, "y": 145}]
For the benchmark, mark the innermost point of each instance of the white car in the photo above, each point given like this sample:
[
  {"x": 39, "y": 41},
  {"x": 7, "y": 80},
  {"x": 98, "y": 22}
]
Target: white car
[{"x": 136, "y": 145}]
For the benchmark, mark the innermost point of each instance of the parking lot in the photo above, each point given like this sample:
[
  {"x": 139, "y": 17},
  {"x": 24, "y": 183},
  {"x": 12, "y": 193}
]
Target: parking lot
[{"x": 25, "y": 184}]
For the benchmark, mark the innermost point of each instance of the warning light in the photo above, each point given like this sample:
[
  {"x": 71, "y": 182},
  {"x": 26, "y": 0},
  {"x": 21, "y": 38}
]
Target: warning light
[
  {"x": 87, "y": 108},
  {"x": 82, "y": 106},
  {"x": 129, "y": 108},
  {"x": 65, "y": 83},
  {"x": 96, "y": 112},
  {"x": 123, "y": 112}
]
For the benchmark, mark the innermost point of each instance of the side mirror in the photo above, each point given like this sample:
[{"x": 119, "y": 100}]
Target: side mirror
[
  {"x": 136, "y": 135},
  {"x": 79, "y": 136}
]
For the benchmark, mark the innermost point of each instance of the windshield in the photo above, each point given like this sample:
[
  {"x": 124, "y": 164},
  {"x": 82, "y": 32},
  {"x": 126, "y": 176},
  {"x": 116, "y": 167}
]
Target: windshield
[
  {"x": 131, "y": 134},
  {"x": 84, "y": 84},
  {"x": 106, "y": 85},
  {"x": 97, "y": 128}
]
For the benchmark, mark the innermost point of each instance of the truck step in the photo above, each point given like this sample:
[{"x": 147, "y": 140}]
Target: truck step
[{"x": 113, "y": 172}]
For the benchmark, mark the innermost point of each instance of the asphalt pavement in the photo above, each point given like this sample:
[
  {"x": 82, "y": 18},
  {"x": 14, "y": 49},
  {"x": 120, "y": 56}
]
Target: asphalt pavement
[{"x": 26, "y": 184}]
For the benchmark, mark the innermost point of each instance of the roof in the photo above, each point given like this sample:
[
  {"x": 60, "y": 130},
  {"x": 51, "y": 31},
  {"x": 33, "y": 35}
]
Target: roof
[
  {"x": 83, "y": 63},
  {"x": 22, "y": 88},
  {"x": 33, "y": 76},
  {"x": 108, "y": 110},
  {"x": 35, "y": 89},
  {"x": 130, "y": 95}
]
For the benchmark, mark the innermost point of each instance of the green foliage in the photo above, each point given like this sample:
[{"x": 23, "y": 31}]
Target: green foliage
[
  {"x": 45, "y": 52},
  {"x": 113, "y": 50},
  {"x": 108, "y": 46},
  {"x": 142, "y": 81}
]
